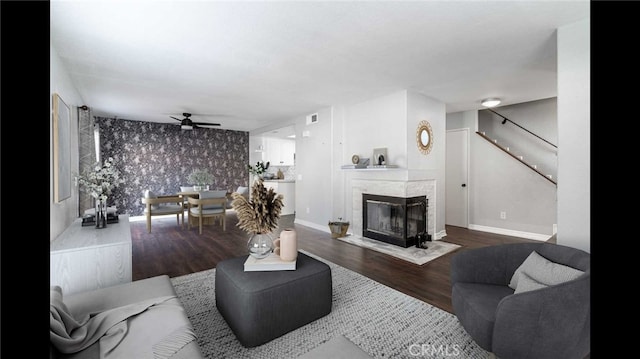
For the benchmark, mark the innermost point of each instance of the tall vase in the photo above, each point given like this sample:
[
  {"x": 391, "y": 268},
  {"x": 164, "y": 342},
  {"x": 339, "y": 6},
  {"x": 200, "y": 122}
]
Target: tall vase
[
  {"x": 101, "y": 213},
  {"x": 260, "y": 245},
  {"x": 288, "y": 245}
]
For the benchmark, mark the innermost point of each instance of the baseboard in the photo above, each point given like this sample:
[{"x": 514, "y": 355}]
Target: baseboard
[
  {"x": 441, "y": 234},
  {"x": 510, "y": 232},
  {"x": 312, "y": 225}
]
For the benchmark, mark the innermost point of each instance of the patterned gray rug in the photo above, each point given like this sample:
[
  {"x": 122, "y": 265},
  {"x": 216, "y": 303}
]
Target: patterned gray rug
[
  {"x": 382, "y": 321},
  {"x": 411, "y": 254}
]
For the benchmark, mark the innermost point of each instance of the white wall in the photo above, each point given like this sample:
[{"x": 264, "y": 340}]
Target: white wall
[
  {"x": 574, "y": 118},
  {"x": 62, "y": 214},
  {"x": 314, "y": 191},
  {"x": 432, "y": 165},
  {"x": 497, "y": 183},
  {"x": 377, "y": 123},
  {"x": 388, "y": 121},
  {"x": 342, "y": 131},
  {"x": 455, "y": 120},
  {"x": 338, "y": 177}
]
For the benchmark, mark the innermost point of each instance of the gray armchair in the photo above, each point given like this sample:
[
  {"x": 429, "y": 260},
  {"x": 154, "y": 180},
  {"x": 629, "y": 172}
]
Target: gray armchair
[{"x": 552, "y": 322}]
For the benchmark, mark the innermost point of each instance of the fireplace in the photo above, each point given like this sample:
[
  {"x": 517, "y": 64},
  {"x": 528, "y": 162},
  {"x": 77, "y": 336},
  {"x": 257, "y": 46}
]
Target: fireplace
[{"x": 395, "y": 220}]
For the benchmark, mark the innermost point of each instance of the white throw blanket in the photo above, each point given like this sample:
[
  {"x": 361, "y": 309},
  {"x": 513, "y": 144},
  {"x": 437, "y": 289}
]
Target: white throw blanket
[{"x": 121, "y": 332}]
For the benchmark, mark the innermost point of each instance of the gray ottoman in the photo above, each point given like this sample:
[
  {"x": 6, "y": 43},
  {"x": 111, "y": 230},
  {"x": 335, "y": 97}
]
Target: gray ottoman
[{"x": 261, "y": 306}]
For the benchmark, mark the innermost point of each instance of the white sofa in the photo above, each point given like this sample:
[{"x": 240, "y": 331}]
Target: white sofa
[{"x": 79, "y": 305}]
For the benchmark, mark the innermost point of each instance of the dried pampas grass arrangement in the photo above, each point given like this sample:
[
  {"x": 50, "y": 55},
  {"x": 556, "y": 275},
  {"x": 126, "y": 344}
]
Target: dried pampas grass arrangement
[{"x": 261, "y": 213}]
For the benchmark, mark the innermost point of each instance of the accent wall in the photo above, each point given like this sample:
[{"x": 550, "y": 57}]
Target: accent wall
[{"x": 159, "y": 157}]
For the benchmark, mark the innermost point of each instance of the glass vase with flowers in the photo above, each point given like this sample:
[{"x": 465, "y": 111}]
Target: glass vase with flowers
[{"x": 99, "y": 181}]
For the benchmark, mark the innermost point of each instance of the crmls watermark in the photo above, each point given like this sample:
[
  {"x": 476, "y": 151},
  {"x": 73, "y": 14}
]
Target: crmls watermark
[{"x": 432, "y": 350}]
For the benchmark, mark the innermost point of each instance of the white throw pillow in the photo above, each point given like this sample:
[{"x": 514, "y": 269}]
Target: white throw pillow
[
  {"x": 526, "y": 283},
  {"x": 543, "y": 271}
]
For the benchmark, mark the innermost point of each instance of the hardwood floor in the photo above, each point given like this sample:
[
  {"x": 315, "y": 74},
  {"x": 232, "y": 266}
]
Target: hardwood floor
[{"x": 173, "y": 251}]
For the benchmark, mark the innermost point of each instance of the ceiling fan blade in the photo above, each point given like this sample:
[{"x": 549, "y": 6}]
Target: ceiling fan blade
[
  {"x": 176, "y": 118},
  {"x": 206, "y": 124}
]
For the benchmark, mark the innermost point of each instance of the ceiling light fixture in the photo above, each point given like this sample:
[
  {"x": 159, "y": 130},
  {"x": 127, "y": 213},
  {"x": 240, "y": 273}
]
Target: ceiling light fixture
[
  {"x": 490, "y": 102},
  {"x": 186, "y": 127}
]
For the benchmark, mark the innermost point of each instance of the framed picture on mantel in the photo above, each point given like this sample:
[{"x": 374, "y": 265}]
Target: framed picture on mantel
[
  {"x": 380, "y": 156},
  {"x": 61, "y": 149}
]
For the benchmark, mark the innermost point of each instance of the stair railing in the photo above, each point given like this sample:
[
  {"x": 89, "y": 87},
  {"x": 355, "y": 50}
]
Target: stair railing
[
  {"x": 506, "y": 119},
  {"x": 518, "y": 158}
]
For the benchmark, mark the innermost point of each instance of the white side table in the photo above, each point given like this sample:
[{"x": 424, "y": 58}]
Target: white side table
[{"x": 86, "y": 258}]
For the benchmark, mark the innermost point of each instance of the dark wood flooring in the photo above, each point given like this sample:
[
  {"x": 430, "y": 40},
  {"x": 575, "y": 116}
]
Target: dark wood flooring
[{"x": 174, "y": 251}]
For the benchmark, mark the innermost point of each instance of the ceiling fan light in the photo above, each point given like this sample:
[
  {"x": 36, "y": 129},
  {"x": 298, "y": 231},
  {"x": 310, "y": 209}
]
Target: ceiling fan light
[
  {"x": 186, "y": 127},
  {"x": 490, "y": 102}
]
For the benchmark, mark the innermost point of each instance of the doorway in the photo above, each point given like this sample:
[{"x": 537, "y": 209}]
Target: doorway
[{"x": 457, "y": 178}]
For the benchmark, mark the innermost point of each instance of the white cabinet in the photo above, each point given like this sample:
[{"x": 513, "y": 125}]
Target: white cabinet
[
  {"x": 271, "y": 150},
  {"x": 287, "y": 152},
  {"x": 86, "y": 258},
  {"x": 288, "y": 191},
  {"x": 280, "y": 152}
]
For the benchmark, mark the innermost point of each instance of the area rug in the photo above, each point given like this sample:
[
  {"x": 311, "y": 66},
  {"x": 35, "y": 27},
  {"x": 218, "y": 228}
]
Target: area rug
[
  {"x": 383, "y": 322},
  {"x": 411, "y": 254}
]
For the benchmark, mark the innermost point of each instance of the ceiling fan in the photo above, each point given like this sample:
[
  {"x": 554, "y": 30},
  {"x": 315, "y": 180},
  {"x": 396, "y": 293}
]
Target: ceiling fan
[{"x": 187, "y": 124}]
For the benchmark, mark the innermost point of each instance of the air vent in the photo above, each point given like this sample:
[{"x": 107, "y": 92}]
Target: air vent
[{"x": 313, "y": 118}]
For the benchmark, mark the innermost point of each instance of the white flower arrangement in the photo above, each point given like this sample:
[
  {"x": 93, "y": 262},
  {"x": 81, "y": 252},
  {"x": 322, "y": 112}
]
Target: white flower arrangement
[
  {"x": 100, "y": 180},
  {"x": 200, "y": 177}
]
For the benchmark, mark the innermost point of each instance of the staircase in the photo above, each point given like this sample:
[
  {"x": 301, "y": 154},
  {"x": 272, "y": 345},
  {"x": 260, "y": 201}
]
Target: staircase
[{"x": 520, "y": 159}]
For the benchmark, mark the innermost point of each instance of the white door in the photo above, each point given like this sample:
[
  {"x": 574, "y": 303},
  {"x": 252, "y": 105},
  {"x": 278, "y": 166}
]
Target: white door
[{"x": 457, "y": 178}]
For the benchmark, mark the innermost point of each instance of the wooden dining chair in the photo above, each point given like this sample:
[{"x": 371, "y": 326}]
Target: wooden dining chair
[
  {"x": 162, "y": 205},
  {"x": 209, "y": 204}
]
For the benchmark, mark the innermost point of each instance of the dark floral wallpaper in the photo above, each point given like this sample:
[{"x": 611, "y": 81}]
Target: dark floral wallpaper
[{"x": 159, "y": 157}]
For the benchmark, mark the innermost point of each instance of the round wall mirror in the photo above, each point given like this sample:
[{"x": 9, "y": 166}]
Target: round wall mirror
[{"x": 424, "y": 137}]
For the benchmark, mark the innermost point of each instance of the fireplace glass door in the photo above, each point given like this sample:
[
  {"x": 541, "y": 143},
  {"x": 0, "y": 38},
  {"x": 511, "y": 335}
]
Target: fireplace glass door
[
  {"x": 394, "y": 220},
  {"x": 385, "y": 218}
]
